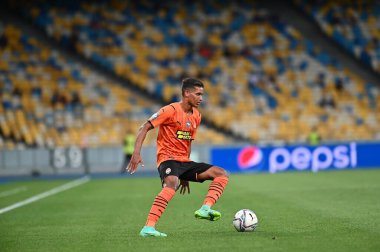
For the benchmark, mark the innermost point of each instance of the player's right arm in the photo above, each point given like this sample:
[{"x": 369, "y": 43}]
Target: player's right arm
[{"x": 136, "y": 156}]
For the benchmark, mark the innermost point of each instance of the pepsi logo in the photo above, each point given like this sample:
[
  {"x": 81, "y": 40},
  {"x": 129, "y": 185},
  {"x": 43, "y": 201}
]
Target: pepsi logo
[{"x": 249, "y": 156}]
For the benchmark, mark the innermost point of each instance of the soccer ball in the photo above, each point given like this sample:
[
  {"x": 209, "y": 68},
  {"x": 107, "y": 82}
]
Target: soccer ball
[{"x": 245, "y": 221}]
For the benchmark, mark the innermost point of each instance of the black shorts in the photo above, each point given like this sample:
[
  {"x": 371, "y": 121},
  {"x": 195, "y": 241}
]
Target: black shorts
[{"x": 183, "y": 170}]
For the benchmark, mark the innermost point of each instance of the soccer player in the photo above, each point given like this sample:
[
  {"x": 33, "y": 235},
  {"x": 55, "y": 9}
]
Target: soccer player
[{"x": 178, "y": 123}]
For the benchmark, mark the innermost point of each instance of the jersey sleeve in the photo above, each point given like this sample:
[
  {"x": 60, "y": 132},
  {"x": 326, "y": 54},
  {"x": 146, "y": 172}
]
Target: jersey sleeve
[{"x": 164, "y": 114}]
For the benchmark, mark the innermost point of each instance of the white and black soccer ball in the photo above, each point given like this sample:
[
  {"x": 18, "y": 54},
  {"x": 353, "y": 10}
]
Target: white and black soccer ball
[{"x": 245, "y": 220}]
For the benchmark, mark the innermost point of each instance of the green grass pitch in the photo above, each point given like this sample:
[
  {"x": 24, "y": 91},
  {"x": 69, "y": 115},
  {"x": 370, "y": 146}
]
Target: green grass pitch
[{"x": 325, "y": 211}]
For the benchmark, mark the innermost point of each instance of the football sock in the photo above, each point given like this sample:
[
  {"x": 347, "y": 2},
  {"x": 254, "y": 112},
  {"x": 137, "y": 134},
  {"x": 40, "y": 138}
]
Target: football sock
[
  {"x": 205, "y": 207},
  {"x": 215, "y": 190},
  {"x": 159, "y": 205}
]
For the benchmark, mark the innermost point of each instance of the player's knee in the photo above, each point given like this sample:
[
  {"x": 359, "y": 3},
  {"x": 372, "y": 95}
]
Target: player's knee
[
  {"x": 170, "y": 185},
  {"x": 220, "y": 172},
  {"x": 171, "y": 182},
  {"x": 224, "y": 173}
]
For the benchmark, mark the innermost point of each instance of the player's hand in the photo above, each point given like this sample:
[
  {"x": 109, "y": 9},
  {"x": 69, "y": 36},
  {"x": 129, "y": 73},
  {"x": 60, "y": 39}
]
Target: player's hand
[
  {"x": 134, "y": 163},
  {"x": 183, "y": 186}
]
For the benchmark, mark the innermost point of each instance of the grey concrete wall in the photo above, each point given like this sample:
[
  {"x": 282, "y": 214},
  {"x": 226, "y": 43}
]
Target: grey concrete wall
[
  {"x": 104, "y": 159},
  {"x": 74, "y": 160}
]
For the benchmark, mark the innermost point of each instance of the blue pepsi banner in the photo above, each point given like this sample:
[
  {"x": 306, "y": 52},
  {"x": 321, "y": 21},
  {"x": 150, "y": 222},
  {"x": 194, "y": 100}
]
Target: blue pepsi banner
[{"x": 297, "y": 158}]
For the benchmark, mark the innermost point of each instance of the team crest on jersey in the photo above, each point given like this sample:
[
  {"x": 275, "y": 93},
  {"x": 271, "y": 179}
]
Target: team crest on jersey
[
  {"x": 154, "y": 116},
  {"x": 188, "y": 124}
]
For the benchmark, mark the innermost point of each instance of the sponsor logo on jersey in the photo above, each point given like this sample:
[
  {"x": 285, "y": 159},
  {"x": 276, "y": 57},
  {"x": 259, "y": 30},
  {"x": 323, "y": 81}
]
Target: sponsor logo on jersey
[{"x": 185, "y": 135}]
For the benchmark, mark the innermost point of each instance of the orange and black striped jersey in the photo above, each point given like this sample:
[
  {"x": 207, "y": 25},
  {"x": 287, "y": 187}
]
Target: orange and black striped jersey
[{"x": 177, "y": 130}]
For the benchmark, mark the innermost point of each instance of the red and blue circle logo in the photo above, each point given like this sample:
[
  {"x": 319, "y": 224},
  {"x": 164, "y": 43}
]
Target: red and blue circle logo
[{"x": 249, "y": 157}]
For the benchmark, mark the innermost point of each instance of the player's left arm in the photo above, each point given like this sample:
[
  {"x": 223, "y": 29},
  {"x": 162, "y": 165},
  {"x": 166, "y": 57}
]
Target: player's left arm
[{"x": 183, "y": 187}]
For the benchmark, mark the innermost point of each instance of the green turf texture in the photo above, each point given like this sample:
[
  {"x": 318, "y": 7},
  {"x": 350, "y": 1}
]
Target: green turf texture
[{"x": 325, "y": 211}]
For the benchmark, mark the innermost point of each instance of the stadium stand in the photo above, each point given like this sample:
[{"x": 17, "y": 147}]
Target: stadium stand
[
  {"x": 264, "y": 80},
  {"x": 355, "y": 25},
  {"x": 48, "y": 100}
]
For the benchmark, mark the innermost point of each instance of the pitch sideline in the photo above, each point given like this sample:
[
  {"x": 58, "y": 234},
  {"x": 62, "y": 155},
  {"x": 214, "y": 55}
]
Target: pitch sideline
[
  {"x": 51, "y": 192},
  {"x": 13, "y": 191}
]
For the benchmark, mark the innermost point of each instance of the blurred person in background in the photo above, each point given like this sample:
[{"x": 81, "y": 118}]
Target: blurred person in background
[
  {"x": 128, "y": 148},
  {"x": 314, "y": 138}
]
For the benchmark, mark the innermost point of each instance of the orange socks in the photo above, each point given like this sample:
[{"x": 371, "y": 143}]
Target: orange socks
[
  {"x": 159, "y": 205},
  {"x": 215, "y": 190},
  {"x": 162, "y": 199}
]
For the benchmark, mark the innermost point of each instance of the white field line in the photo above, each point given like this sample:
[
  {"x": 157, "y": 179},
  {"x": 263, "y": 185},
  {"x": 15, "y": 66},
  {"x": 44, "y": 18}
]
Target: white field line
[
  {"x": 53, "y": 191},
  {"x": 13, "y": 191}
]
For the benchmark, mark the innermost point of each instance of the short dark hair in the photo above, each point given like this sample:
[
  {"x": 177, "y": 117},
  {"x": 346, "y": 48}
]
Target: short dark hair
[{"x": 190, "y": 83}]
